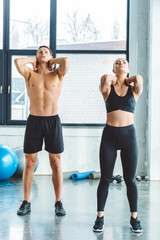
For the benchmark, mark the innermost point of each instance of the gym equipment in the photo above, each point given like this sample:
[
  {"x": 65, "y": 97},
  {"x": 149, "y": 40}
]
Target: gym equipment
[
  {"x": 117, "y": 178},
  {"x": 97, "y": 175},
  {"x": 21, "y": 162},
  {"x": 94, "y": 175},
  {"x": 77, "y": 176},
  {"x": 8, "y": 162},
  {"x": 138, "y": 178},
  {"x": 68, "y": 175},
  {"x": 146, "y": 178}
]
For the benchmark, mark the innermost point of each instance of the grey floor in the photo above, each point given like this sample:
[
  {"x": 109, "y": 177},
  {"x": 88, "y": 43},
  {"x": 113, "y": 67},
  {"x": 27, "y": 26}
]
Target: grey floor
[{"x": 79, "y": 199}]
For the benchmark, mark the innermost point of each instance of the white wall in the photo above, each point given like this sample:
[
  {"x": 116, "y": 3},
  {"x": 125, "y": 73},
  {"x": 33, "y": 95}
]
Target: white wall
[
  {"x": 138, "y": 59},
  {"x": 154, "y": 87}
]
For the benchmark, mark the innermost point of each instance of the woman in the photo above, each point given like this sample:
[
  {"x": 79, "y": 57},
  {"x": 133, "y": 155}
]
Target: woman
[{"x": 120, "y": 95}]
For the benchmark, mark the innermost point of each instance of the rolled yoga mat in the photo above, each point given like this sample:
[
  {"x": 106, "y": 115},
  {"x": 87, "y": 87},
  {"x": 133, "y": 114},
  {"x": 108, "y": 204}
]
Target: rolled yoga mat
[
  {"x": 68, "y": 175},
  {"x": 95, "y": 175},
  {"x": 77, "y": 176}
]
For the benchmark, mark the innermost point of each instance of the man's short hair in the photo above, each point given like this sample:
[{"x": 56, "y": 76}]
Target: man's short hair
[{"x": 45, "y": 47}]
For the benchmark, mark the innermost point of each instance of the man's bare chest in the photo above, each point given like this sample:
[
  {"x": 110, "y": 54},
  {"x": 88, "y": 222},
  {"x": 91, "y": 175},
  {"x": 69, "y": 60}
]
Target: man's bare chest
[{"x": 38, "y": 84}]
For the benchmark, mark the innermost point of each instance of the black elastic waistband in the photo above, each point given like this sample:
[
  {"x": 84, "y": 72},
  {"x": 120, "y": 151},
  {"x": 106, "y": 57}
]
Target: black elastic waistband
[
  {"x": 125, "y": 127},
  {"x": 43, "y": 117}
]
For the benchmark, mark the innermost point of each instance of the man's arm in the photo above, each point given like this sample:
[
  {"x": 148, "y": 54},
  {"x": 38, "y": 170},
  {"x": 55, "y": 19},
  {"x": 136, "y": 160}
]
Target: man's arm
[
  {"x": 63, "y": 65},
  {"x": 22, "y": 68},
  {"x": 138, "y": 83}
]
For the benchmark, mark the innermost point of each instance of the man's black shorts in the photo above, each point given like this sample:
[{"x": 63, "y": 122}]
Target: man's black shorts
[{"x": 47, "y": 128}]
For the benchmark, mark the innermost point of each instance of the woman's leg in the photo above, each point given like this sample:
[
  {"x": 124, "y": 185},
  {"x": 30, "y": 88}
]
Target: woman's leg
[
  {"x": 108, "y": 155},
  {"x": 129, "y": 156}
]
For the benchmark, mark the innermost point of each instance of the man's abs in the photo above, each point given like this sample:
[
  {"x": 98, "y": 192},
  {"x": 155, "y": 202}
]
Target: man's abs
[
  {"x": 43, "y": 109},
  {"x": 43, "y": 101}
]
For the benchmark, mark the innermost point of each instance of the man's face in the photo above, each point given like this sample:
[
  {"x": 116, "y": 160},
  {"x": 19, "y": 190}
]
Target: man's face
[{"x": 43, "y": 55}]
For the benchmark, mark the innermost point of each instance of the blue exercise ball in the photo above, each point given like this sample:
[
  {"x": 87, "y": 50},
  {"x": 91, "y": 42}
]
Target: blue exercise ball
[
  {"x": 8, "y": 162},
  {"x": 21, "y": 162}
]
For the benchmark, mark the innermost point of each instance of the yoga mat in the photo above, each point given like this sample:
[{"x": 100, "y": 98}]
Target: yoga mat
[
  {"x": 77, "y": 176},
  {"x": 95, "y": 175},
  {"x": 68, "y": 175}
]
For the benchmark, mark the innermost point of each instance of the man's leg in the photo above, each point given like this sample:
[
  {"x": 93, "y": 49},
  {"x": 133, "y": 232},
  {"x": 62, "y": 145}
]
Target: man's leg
[
  {"x": 57, "y": 175},
  {"x": 57, "y": 179},
  {"x": 30, "y": 162}
]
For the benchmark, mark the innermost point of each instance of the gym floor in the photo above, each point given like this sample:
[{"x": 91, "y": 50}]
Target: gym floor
[{"x": 79, "y": 200}]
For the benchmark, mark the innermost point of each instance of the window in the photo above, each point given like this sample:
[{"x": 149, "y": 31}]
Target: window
[
  {"x": 91, "y": 34},
  {"x": 81, "y": 101},
  {"x": 27, "y": 27},
  {"x": 19, "y": 99},
  {"x": 29, "y": 23},
  {"x": 91, "y": 25}
]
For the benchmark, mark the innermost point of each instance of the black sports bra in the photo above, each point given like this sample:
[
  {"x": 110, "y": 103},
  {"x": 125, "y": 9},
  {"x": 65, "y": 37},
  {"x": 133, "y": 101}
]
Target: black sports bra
[{"x": 126, "y": 103}]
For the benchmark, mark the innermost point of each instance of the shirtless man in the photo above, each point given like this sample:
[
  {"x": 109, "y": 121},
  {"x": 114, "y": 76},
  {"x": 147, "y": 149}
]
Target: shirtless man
[{"x": 43, "y": 88}]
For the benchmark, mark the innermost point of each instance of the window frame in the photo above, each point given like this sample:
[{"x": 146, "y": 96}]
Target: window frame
[{"x": 6, "y": 60}]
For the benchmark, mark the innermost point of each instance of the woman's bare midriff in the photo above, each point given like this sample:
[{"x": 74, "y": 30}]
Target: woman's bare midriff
[{"x": 120, "y": 118}]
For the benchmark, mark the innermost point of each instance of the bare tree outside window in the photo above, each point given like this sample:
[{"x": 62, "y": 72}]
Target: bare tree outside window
[
  {"x": 38, "y": 30},
  {"x": 28, "y": 27},
  {"x": 81, "y": 30},
  {"x": 35, "y": 31},
  {"x": 18, "y": 39},
  {"x": 118, "y": 32}
]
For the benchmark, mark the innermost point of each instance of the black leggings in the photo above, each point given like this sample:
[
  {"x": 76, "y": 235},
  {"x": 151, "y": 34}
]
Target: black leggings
[{"x": 113, "y": 139}]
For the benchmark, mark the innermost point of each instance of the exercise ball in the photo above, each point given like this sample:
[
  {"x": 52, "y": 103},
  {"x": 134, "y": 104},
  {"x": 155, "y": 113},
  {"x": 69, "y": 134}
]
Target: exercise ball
[
  {"x": 8, "y": 162},
  {"x": 21, "y": 162}
]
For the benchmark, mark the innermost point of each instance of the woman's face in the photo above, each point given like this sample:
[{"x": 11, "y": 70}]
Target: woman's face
[{"x": 120, "y": 66}]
